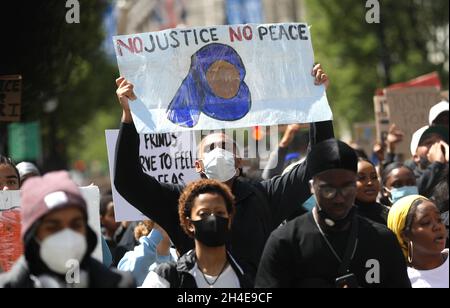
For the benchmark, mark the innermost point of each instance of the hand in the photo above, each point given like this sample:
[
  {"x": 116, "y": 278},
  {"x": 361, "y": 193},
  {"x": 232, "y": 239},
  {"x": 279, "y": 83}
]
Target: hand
[
  {"x": 149, "y": 224},
  {"x": 289, "y": 134},
  {"x": 395, "y": 135},
  {"x": 435, "y": 154},
  {"x": 378, "y": 149},
  {"x": 124, "y": 93},
  {"x": 140, "y": 230},
  {"x": 319, "y": 76}
]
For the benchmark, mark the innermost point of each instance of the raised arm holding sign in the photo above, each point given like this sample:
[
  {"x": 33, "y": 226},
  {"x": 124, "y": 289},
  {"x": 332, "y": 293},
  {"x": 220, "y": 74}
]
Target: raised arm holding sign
[
  {"x": 221, "y": 77},
  {"x": 260, "y": 207}
]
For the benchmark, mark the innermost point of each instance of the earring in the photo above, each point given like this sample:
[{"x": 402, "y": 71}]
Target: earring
[{"x": 410, "y": 252}]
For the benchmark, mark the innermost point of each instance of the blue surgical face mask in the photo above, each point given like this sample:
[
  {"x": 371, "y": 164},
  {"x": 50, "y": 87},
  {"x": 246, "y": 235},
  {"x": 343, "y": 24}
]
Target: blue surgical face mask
[
  {"x": 310, "y": 203},
  {"x": 398, "y": 193}
]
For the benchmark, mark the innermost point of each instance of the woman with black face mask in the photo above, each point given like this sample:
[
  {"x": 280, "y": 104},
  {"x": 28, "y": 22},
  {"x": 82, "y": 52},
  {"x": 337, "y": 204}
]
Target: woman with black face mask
[{"x": 206, "y": 210}]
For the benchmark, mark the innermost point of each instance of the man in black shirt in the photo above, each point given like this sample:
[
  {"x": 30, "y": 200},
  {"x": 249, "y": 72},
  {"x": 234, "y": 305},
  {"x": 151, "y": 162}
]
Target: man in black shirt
[
  {"x": 332, "y": 246},
  {"x": 260, "y": 206}
]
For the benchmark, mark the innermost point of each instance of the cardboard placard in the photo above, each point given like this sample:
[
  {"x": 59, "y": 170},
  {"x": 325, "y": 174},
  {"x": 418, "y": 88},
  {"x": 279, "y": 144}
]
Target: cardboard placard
[
  {"x": 409, "y": 109},
  {"x": 10, "y": 98},
  {"x": 365, "y": 136}
]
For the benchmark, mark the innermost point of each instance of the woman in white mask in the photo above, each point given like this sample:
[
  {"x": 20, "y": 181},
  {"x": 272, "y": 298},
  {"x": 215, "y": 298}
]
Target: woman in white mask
[{"x": 58, "y": 242}]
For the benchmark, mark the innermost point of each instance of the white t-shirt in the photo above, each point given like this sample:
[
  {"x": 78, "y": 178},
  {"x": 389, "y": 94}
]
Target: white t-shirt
[
  {"x": 228, "y": 278},
  {"x": 435, "y": 278}
]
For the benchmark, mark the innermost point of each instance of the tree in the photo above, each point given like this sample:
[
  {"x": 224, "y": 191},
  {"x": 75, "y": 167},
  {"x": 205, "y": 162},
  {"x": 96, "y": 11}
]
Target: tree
[
  {"x": 57, "y": 60},
  {"x": 410, "y": 40}
]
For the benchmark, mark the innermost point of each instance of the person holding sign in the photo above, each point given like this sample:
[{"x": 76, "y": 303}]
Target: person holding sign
[
  {"x": 58, "y": 241},
  {"x": 260, "y": 206},
  {"x": 206, "y": 211}
]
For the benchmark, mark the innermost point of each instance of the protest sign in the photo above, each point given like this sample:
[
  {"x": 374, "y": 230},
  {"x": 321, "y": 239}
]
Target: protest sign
[
  {"x": 169, "y": 158},
  {"x": 444, "y": 95},
  {"x": 365, "y": 136},
  {"x": 381, "y": 118},
  {"x": 92, "y": 196},
  {"x": 10, "y": 98},
  {"x": 408, "y": 110},
  {"x": 221, "y": 77},
  {"x": 11, "y": 246}
]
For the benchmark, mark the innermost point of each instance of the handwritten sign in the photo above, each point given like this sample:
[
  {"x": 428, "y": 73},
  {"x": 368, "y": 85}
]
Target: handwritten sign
[
  {"x": 409, "y": 109},
  {"x": 168, "y": 157},
  {"x": 365, "y": 136},
  {"x": 221, "y": 77},
  {"x": 10, "y": 98},
  {"x": 11, "y": 246},
  {"x": 381, "y": 118}
]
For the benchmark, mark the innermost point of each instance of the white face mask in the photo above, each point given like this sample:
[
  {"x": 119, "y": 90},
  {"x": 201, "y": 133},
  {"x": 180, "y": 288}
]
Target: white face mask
[
  {"x": 219, "y": 165},
  {"x": 61, "y": 247}
]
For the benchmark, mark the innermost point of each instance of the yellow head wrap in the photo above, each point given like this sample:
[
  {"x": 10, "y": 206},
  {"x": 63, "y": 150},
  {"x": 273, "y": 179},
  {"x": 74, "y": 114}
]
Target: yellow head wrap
[{"x": 397, "y": 218}]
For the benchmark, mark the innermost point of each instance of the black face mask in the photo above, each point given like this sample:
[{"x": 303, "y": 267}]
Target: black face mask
[
  {"x": 212, "y": 231},
  {"x": 424, "y": 162}
]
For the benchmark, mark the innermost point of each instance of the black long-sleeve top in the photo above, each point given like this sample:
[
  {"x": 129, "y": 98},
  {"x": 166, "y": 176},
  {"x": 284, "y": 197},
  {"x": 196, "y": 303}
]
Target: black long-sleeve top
[{"x": 260, "y": 206}]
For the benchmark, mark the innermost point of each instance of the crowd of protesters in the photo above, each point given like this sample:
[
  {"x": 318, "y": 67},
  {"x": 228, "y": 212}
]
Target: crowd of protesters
[{"x": 323, "y": 216}]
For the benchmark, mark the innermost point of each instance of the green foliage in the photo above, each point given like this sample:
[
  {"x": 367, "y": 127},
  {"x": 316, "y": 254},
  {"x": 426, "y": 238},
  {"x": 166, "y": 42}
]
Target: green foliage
[
  {"x": 353, "y": 51},
  {"x": 91, "y": 145},
  {"x": 58, "y": 61}
]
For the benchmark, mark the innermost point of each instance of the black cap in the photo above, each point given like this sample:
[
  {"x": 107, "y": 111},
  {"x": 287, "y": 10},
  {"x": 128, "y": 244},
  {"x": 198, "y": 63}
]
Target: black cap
[{"x": 331, "y": 154}]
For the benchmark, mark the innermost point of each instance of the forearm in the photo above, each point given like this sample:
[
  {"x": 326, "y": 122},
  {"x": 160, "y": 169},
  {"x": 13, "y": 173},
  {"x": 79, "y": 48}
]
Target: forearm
[{"x": 129, "y": 179}]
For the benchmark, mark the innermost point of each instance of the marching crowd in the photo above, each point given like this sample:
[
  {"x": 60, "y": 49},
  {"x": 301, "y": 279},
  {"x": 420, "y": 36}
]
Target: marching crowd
[{"x": 332, "y": 219}]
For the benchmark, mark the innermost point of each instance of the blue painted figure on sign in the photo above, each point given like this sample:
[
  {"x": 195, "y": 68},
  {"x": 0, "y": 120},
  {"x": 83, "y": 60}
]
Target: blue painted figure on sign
[{"x": 215, "y": 86}]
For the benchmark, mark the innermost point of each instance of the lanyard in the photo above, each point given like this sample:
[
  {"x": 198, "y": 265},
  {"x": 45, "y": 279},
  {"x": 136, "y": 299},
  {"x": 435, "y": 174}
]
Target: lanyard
[{"x": 350, "y": 250}]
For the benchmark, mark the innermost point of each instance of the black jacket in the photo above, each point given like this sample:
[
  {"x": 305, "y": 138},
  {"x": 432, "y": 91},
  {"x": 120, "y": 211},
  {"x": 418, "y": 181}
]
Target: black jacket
[
  {"x": 260, "y": 206},
  {"x": 429, "y": 177},
  {"x": 99, "y": 276},
  {"x": 177, "y": 274},
  {"x": 373, "y": 211}
]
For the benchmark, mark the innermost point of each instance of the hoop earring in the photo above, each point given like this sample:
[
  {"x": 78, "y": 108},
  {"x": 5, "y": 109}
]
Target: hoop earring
[{"x": 410, "y": 252}]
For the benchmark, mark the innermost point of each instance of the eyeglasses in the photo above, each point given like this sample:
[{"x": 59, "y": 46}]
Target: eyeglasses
[{"x": 329, "y": 192}]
